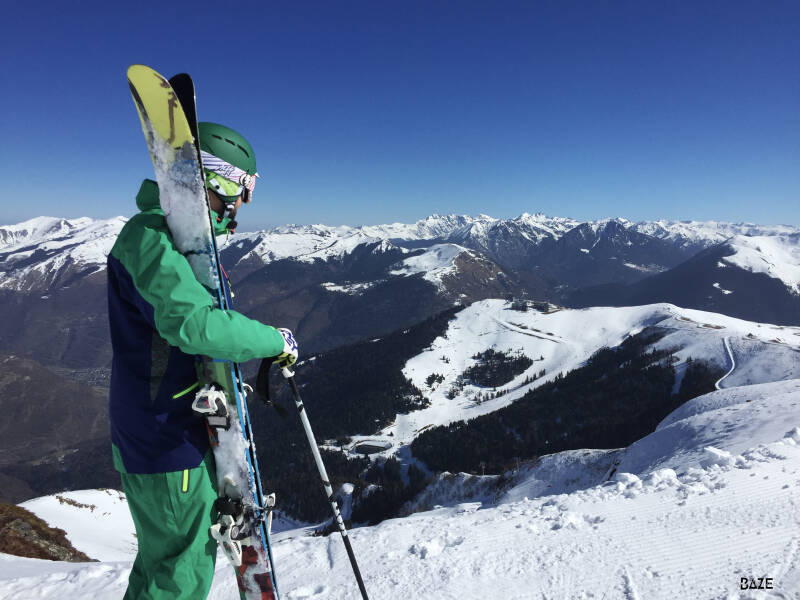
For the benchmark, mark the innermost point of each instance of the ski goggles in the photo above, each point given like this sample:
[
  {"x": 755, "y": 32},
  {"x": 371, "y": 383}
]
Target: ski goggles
[
  {"x": 225, "y": 188},
  {"x": 228, "y": 180},
  {"x": 229, "y": 193}
]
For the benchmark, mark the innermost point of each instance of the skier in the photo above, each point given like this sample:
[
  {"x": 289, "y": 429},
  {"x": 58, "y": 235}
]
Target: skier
[{"x": 161, "y": 318}]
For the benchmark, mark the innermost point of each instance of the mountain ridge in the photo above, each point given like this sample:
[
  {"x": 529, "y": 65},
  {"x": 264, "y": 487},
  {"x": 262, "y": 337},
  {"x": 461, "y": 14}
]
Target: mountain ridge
[
  {"x": 337, "y": 285},
  {"x": 47, "y": 251}
]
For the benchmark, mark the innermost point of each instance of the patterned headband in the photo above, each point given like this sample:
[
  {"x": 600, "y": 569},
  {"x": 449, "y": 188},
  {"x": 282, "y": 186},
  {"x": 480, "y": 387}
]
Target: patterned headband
[{"x": 228, "y": 171}]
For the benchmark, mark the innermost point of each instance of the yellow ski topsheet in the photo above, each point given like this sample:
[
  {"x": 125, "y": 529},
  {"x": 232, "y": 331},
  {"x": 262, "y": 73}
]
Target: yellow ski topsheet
[
  {"x": 177, "y": 168},
  {"x": 155, "y": 98}
]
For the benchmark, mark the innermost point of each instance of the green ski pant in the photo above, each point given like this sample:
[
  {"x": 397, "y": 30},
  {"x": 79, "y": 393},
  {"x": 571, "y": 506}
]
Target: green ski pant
[{"x": 172, "y": 513}]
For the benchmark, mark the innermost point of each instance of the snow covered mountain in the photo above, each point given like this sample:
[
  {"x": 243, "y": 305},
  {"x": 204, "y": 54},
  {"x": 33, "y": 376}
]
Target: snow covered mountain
[
  {"x": 697, "y": 235},
  {"x": 558, "y": 341},
  {"x": 49, "y": 253},
  {"x": 337, "y": 285},
  {"x": 605, "y": 252},
  {"x": 703, "y": 508},
  {"x": 750, "y": 277},
  {"x": 776, "y": 256},
  {"x": 52, "y": 283},
  {"x": 46, "y": 252}
]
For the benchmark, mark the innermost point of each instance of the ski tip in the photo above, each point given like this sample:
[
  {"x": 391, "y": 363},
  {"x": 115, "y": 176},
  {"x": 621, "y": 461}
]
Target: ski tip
[
  {"x": 136, "y": 72},
  {"x": 183, "y": 85},
  {"x": 137, "y": 68}
]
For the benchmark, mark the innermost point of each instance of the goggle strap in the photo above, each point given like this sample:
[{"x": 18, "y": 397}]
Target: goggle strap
[{"x": 228, "y": 171}]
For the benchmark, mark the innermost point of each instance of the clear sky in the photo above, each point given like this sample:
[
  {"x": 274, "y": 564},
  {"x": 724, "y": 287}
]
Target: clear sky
[{"x": 378, "y": 111}]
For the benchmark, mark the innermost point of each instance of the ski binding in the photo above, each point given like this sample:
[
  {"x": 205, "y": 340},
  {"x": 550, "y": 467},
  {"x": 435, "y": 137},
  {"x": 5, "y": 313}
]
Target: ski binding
[{"x": 210, "y": 403}]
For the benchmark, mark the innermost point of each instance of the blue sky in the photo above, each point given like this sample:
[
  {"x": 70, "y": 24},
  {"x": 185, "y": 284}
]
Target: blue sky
[{"x": 373, "y": 112}]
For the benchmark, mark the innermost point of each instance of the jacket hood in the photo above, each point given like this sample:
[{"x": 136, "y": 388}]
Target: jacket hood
[{"x": 147, "y": 198}]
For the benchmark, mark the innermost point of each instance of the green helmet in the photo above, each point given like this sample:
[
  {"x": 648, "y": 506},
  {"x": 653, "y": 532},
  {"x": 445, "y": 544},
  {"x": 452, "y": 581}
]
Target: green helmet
[
  {"x": 223, "y": 142},
  {"x": 229, "y": 164}
]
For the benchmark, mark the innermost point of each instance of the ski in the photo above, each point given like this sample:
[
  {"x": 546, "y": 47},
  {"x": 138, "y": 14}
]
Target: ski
[{"x": 168, "y": 117}]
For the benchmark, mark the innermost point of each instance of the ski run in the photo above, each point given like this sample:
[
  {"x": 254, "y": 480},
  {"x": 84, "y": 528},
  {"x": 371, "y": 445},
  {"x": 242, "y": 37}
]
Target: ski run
[{"x": 708, "y": 501}]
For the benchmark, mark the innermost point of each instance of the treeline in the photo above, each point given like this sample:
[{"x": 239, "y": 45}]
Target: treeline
[
  {"x": 619, "y": 396},
  {"x": 354, "y": 389},
  {"x": 494, "y": 368},
  {"x": 383, "y": 491}
]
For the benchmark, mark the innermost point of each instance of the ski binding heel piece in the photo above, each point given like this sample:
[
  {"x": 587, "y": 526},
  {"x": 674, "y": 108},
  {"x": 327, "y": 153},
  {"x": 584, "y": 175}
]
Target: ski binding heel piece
[
  {"x": 211, "y": 403},
  {"x": 230, "y": 528},
  {"x": 221, "y": 532}
]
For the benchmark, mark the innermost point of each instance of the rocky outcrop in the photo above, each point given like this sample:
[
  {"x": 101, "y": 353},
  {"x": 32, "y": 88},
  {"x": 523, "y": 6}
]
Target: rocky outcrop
[{"x": 24, "y": 534}]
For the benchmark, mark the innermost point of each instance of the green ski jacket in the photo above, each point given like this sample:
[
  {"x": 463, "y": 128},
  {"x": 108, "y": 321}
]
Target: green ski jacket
[{"x": 161, "y": 318}]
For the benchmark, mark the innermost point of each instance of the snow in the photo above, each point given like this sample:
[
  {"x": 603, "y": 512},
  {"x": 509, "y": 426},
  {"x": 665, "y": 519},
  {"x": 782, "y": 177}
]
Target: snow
[
  {"x": 687, "y": 517},
  {"x": 434, "y": 263},
  {"x": 777, "y": 256},
  {"x": 718, "y": 385},
  {"x": 453, "y": 489},
  {"x": 306, "y": 243},
  {"x": 82, "y": 514},
  {"x": 644, "y": 268},
  {"x": 39, "y": 249},
  {"x": 533, "y": 227},
  {"x": 433, "y": 227},
  {"x": 183, "y": 198},
  {"x": 563, "y": 340},
  {"x": 707, "y": 233},
  {"x": 352, "y": 289},
  {"x": 561, "y": 473},
  {"x": 731, "y": 420},
  {"x": 721, "y": 289},
  {"x": 598, "y": 226}
]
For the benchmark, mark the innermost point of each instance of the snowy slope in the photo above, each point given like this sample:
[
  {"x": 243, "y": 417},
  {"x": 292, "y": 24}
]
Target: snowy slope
[
  {"x": 83, "y": 513},
  {"x": 563, "y": 340},
  {"x": 561, "y": 473},
  {"x": 691, "y": 530},
  {"x": 731, "y": 420},
  {"x": 777, "y": 256},
  {"x": 434, "y": 263}
]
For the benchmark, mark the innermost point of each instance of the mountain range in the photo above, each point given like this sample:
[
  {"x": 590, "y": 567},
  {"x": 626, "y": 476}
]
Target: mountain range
[
  {"x": 336, "y": 285},
  {"x": 342, "y": 287},
  {"x": 48, "y": 253}
]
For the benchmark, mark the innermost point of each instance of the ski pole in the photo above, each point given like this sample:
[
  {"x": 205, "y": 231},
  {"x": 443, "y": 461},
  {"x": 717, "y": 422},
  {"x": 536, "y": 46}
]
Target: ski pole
[{"x": 289, "y": 375}]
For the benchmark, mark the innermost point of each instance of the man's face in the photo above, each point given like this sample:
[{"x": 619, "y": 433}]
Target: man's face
[{"x": 215, "y": 204}]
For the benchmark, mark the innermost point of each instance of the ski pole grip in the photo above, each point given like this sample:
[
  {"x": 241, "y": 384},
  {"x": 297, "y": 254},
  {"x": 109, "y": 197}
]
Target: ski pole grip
[{"x": 287, "y": 372}]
